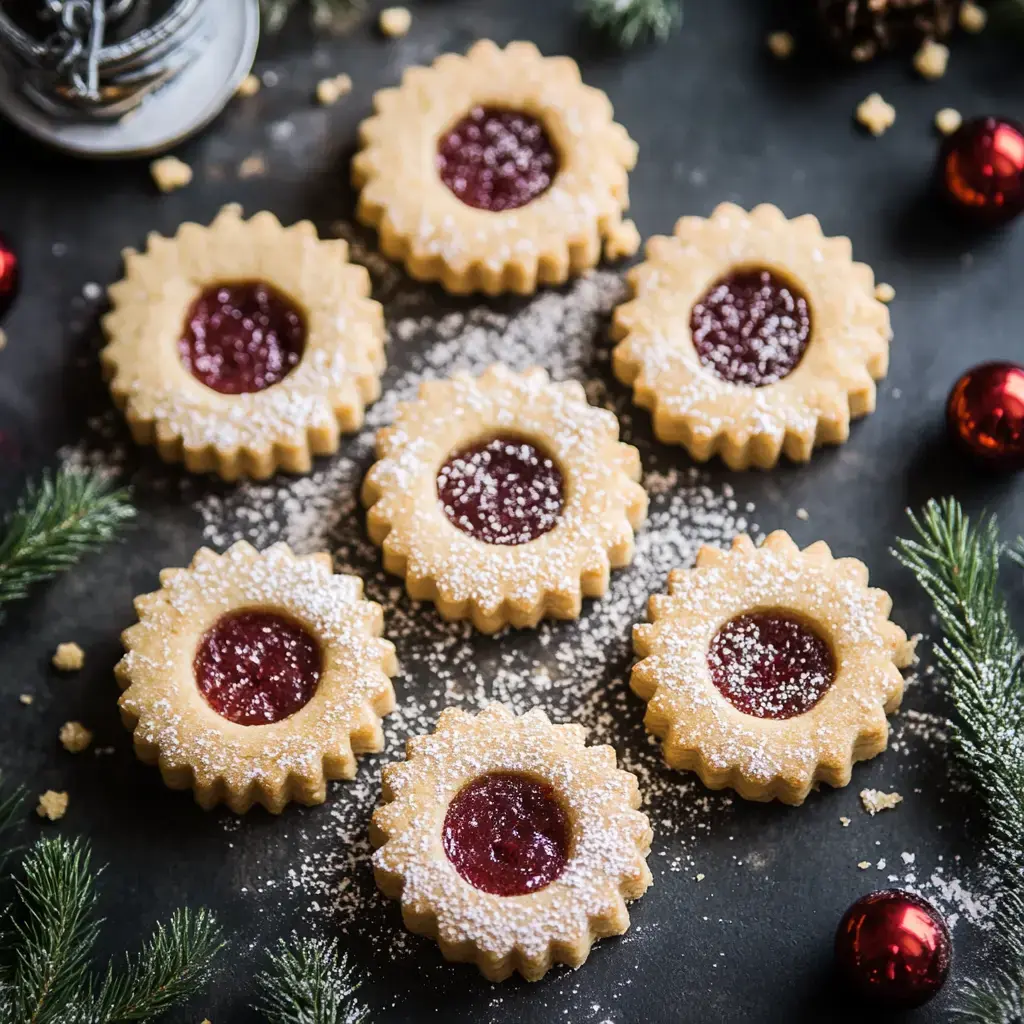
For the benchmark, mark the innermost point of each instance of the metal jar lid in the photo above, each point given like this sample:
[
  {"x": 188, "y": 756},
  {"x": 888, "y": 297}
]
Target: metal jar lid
[{"x": 114, "y": 78}]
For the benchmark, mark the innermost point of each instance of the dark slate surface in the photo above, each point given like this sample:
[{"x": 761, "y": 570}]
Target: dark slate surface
[{"x": 716, "y": 119}]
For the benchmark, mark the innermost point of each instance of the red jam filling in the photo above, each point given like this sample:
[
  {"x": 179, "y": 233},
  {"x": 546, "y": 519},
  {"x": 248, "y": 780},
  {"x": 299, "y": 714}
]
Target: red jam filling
[
  {"x": 503, "y": 491},
  {"x": 751, "y": 327},
  {"x": 506, "y": 834},
  {"x": 242, "y": 337},
  {"x": 496, "y": 159},
  {"x": 256, "y": 667},
  {"x": 771, "y": 665}
]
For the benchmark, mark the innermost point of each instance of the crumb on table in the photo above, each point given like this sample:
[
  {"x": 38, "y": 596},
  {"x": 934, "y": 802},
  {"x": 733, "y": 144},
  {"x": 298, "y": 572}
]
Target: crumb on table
[
  {"x": 874, "y": 800},
  {"x": 884, "y": 292},
  {"x": 395, "y": 22},
  {"x": 875, "y": 114},
  {"x": 931, "y": 60},
  {"x": 3, "y": 340},
  {"x": 249, "y": 86},
  {"x": 26, "y": 698},
  {"x": 844, "y": 821},
  {"x": 622, "y": 241},
  {"x": 864, "y": 864},
  {"x": 254, "y": 166},
  {"x": 973, "y": 17},
  {"x": 948, "y": 120},
  {"x": 170, "y": 173},
  {"x": 803, "y": 514},
  {"x": 330, "y": 90},
  {"x": 781, "y": 45},
  {"x": 52, "y": 805},
  {"x": 68, "y": 657},
  {"x": 74, "y": 737}
]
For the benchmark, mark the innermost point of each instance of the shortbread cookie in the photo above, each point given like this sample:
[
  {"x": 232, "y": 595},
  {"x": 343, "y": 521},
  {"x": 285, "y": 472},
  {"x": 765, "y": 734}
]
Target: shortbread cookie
[
  {"x": 770, "y": 669},
  {"x": 505, "y": 498},
  {"x": 497, "y": 171},
  {"x": 750, "y": 336},
  {"x": 510, "y": 842},
  {"x": 254, "y": 677},
  {"x": 243, "y": 347}
]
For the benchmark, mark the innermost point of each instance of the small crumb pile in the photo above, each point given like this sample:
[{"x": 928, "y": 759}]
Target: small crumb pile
[
  {"x": 74, "y": 737},
  {"x": 931, "y": 60},
  {"x": 395, "y": 22},
  {"x": 973, "y": 17},
  {"x": 169, "y": 173},
  {"x": 52, "y": 805},
  {"x": 874, "y": 800},
  {"x": 948, "y": 120},
  {"x": 68, "y": 657},
  {"x": 876, "y": 115},
  {"x": 330, "y": 90}
]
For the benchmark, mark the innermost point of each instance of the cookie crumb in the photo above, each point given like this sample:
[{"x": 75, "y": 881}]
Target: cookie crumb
[
  {"x": 931, "y": 60},
  {"x": 876, "y": 115},
  {"x": 802, "y": 513},
  {"x": 68, "y": 657},
  {"x": 395, "y": 22},
  {"x": 249, "y": 86},
  {"x": 26, "y": 698},
  {"x": 781, "y": 45},
  {"x": 884, "y": 292},
  {"x": 623, "y": 240},
  {"x": 864, "y": 864},
  {"x": 701, "y": 877},
  {"x": 330, "y": 90},
  {"x": 844, "y": 821},
  {"x": 3, "y": 340},
  {"x": 74, "y": 737},
  {"x": 973, "y": 17},
  {"x": 252, "y": 167},
  {"x": 52, "y": 805},
  {"x": 948, "y": 120},
  {"x": 170, "y": 173},
  {"x": 874, "y": 800}
]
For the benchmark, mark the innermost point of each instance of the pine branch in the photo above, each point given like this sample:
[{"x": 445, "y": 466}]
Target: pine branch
[
  {"x": 55, "y": 524},
  {"x": 632, "y": 21},
  {"x": 307, "y": 982},
  {"x": 957, "y": 563},
  {"x": 175, "y": 962}
]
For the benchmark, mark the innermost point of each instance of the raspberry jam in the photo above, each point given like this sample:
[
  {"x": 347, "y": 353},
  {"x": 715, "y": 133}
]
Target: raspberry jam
[
  {"x": 506, "y": 834},
  {"x": 771, "y": 665},
  {"x": 503, "y": 491},
  {"x": 751, "y": 327},
  {"x": 496, "y": 159},
  {"x": 256, "y": 667},
  {"x": 242, "y": 337}
]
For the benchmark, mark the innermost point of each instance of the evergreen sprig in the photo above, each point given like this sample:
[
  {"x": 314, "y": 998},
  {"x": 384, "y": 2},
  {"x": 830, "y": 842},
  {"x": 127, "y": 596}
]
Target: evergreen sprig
[
  {"x": 55, "y": 524},
  {"x": 308, "y": 982},
  {"x": 46, "y": 951},
  {"x": 632, "y": 21},
  {"x": 957, "y": 562}
]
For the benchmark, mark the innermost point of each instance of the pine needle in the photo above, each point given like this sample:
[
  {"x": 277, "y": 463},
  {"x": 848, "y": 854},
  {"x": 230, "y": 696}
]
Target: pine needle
[
  {"x": 982, "y": 659},
  {"x": 631, "y": 21},
  {"x": 307, "y": 982},
  {"x": 55, "y": 524}
]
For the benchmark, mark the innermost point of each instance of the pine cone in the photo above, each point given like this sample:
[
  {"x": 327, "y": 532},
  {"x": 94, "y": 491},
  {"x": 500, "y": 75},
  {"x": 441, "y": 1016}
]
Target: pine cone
[{"x": 859, "y": 29}]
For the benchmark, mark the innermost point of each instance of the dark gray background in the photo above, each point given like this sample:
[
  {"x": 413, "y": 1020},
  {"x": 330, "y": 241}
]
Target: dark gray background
[{"x": 712, "y": 102}]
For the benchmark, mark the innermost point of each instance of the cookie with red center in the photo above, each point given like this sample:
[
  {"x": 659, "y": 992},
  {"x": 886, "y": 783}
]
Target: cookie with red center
[
  {"x": 510, "y": 842},
  {"x": 495, "y": 171},
  {"x": 254, "y": 677},
  {"x": 770, "y": 669},
  {"x": 244, "y": 347},
  {"x": 751, "y": 336},
  {"x": 505, "y": 498}
]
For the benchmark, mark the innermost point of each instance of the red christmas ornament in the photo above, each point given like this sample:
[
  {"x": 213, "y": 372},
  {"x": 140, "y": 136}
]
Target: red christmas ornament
[
  {"x": 10, "y": 276},
  {"x": 981, "y": 169},
  {"x": 985, "y": 414},
  {"x": 893, "y": 948}
]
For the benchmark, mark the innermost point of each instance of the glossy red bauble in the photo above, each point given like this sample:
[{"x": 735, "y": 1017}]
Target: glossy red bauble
[
  {"x": 10, "y": 276},
  {"x": 893, "y": 948},
  {"x": 985, "y": 414},
  {"x": 981, "y": 170}
]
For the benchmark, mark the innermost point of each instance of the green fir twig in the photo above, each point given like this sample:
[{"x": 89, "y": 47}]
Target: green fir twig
[
  {"x": 631, "y": 21},
  {"x": 308, "y": 982},
  {"x": 55, "y": 524},
  {"x": 957, "y": 562}
]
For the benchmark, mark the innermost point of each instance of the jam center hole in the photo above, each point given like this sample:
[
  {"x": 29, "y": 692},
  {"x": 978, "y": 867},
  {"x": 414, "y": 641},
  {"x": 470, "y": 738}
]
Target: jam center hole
[
  {"x": 496, "y": 159},
  {"x": 771, "y": 665},
  {"x": 751, "y": 327},
  {"x": 256, "y": 667},
  {"x": 503, "y": 491},
  {"x": 507, "y": 834},
  {"x": 242, "y": 337}
]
